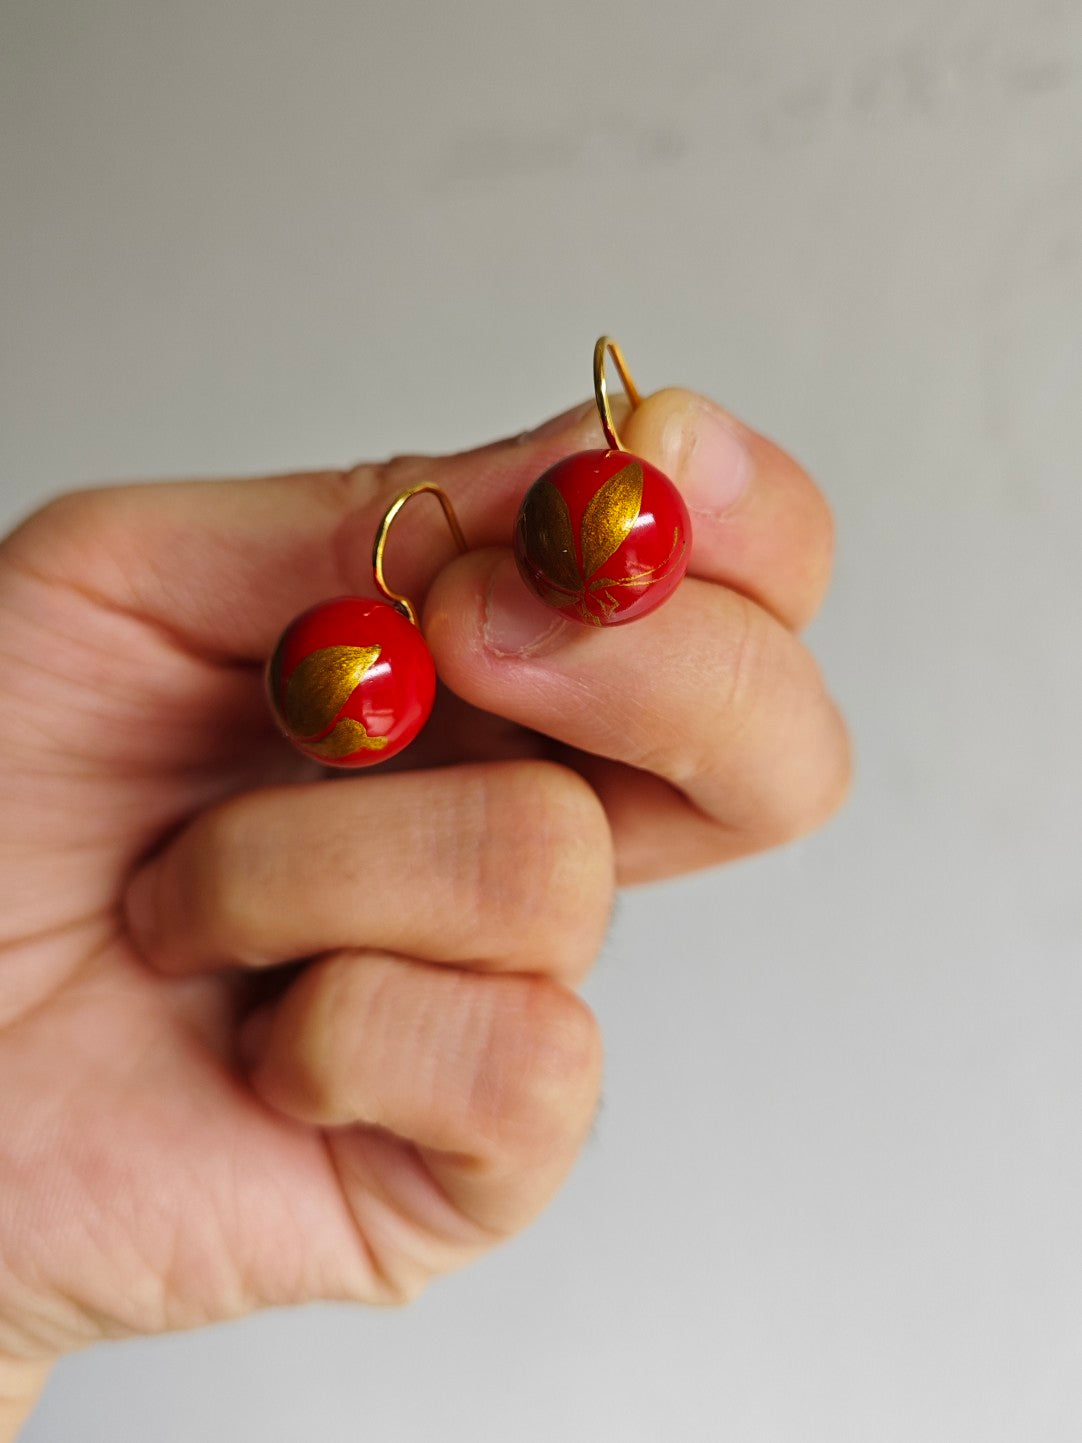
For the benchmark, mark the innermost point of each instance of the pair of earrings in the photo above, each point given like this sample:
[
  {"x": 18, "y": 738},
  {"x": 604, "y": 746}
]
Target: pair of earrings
[{"x": 602, "y": 537}]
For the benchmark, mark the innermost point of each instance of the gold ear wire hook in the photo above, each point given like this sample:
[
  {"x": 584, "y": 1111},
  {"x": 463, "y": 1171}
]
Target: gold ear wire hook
[
  {"x": 601, "y": 392},
  {"x": 379, "y": 545}
]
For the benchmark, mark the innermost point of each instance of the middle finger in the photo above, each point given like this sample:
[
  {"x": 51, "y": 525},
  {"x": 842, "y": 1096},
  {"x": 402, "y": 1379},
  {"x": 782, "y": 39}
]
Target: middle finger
[
  {"x": 710, "y": 692},
  {"x": 504, "y": 866}
]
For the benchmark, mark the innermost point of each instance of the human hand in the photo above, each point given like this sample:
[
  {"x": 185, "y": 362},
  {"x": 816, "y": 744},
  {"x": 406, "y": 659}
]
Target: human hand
[{"x": 191, "y": 1127}]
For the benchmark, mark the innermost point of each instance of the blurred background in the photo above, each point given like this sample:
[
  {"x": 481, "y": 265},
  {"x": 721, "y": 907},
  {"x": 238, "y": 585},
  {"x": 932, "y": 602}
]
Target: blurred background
[{"x": 835, "y": 1188}]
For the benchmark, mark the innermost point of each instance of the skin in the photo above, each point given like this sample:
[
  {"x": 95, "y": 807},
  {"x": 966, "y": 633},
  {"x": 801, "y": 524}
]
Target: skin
[{"x": 267, "y": 1037}]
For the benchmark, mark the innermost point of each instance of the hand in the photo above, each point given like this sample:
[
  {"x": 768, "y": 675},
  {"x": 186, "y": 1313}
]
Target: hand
[{"x": 266, "y": 1038}]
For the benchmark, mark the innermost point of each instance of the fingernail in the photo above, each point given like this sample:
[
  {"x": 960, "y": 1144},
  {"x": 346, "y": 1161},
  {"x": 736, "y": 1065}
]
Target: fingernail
[
  {"x": 565, "y": 421},
  {"x": 707, "y": 458},
  {"x": 516, "y": 623},
  {"x": 253, "y": 1034}
]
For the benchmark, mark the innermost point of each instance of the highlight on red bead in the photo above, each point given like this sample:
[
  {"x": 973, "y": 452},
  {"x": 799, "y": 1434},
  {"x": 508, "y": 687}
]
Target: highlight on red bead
[
  {"x": 603, "y": 537},
  {"x": 351, "y": 682}
]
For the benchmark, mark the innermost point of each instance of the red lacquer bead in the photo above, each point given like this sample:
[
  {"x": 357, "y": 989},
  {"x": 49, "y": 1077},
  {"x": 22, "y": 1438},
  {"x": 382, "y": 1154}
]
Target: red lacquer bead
[
  {"x": 603, "y": 537},
  {"x": 351, "y": 682}
]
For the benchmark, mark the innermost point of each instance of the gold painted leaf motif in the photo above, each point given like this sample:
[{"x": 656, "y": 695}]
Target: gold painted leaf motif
[
  {"x": 321, "y": 684},
  {"x": 644, "y": 578},
  {"x": 610, "y": 515},
  {"x": 348, "y": 736},
  {"x": 547, "y": 538}
]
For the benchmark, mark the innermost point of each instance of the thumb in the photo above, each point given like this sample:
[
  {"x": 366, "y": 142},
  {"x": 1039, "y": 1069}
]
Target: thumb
[{"x": 224, "y": 565}]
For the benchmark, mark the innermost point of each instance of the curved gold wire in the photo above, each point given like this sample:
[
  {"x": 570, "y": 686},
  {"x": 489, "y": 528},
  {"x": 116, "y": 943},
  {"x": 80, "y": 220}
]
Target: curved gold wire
[
  {"x": 379, "y": 545},
  {"x": 601, "y": 390}
]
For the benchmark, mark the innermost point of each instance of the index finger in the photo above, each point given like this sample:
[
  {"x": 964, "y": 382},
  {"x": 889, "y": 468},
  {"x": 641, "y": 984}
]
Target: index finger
[{"x": 223, "y": 566}]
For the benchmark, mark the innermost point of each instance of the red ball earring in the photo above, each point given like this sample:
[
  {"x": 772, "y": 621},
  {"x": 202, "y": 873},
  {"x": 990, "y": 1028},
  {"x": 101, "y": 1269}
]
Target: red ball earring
[
  {"x": 351, "y": 681},
  {"x": 603, "y": 536}
]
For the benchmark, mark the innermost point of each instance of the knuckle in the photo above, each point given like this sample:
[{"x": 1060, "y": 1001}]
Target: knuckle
[
  {"x": 834, "y": 778},
  {"x": 817, "y": 533},
  {"x": 348, "y": 488},
  {"x": 547, "y": 866},
  {"x": 776, "y": 752},
  {"x": 74, "y": 519},
  {"x": 297, "y": 1083},
  {"x": 369, "y": 482},
  {"x": 817, "y": 781},
  {"x": 825, "y": 527},
  {"x": 744, "y": 662},
  {"x": 74, "y": 509},
  {"x": 538, "y": 1087},
  {"x": 570, "y": 831},
  {"x": 400, "y": 1282},
  {"x": 222, "y": 885},
  {"x": 729, "y": 689},
  {"x": 308, "y": 1069},
  {"x": 359, "y": 497},
  {"x": 404, "y": 469}
]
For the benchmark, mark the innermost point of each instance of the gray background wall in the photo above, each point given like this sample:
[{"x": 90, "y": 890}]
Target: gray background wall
[{"x": 836, "y": 1185}]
